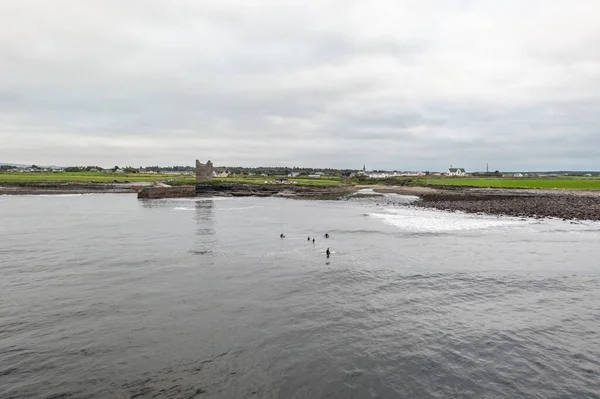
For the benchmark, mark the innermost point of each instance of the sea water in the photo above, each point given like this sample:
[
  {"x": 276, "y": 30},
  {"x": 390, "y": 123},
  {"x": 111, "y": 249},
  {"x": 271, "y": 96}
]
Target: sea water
[{"x": 107, "y": 296}]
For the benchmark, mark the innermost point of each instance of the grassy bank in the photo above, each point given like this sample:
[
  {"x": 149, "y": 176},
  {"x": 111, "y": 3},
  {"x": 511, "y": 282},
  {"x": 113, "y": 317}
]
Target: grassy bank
[
  {"x": 100, "y": 177},
  {"x": 303, "y": 182},
  {"x": 572, "y": 183},
  {"x": 550, "y": 183},
  {"x": 566, "y": 182},
  {"x": 77, "y": 177}
]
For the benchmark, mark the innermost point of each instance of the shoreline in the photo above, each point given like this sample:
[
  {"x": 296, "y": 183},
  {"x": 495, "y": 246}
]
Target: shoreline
[
  {"x": 530, "y": 203},
  {"x": 232, "y": 190},
  {"x": 70, "y": 188},
  {"x": 283, "y": 191}
]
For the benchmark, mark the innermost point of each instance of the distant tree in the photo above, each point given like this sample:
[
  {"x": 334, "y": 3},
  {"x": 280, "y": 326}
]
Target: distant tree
[
  {"x": 90, "y": 168},
  {"x": 7, "y": 167},
  {"x": 115, "y": 168},
  {"x": 129, "y": 169},
  {"x": 73, "y": 169}
]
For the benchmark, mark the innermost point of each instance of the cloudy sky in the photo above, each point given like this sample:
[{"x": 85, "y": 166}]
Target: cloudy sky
[{"x": 394, "y": 84}]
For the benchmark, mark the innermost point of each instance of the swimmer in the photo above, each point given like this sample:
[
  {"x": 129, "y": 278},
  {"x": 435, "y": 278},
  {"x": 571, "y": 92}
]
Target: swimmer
[
  {"x": 313, "y": 240},
  {"x": 326, "y": 235},
  {"x": 327, "y": 252},
  {"x": 308, "y": 239},
  {"x": 281, "y": 235}
]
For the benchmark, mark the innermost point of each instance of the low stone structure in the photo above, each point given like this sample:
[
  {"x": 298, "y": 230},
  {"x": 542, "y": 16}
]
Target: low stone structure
[
  {"x": 167, "y": 192},
  {"x": 204, "y": 171}
]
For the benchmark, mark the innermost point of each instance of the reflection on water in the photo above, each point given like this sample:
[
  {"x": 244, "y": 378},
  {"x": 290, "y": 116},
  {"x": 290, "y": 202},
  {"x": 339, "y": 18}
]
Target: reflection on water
[
  {"x": 204, "y": 216},
  {"x": 206, "y": 239}
]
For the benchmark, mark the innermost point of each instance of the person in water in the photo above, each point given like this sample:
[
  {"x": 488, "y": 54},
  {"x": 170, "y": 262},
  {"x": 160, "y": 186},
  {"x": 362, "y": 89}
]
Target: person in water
[
  {"x": 308, "y": 239},
  {"x": 327, "y": 252},
  {"x": 313, "y": 240},
  {"x": 326, "y": 235},
  {"x": 281, "y": 235}
]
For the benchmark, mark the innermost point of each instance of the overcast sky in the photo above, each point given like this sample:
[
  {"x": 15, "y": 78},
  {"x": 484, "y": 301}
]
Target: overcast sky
[{"x": 391, "y": 84}]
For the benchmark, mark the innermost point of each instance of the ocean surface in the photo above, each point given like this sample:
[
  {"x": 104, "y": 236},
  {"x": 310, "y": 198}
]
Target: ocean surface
[{"x": 107, "y": 296}]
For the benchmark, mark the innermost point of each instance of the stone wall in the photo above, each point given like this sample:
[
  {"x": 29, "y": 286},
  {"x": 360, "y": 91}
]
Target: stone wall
[
  {"x": 204, "y": 171},
  {"x": 167, "y": 192}
]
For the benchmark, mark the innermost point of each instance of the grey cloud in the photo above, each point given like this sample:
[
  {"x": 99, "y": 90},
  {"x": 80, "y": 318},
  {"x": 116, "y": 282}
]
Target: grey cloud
[{"x": 411, "y": 85}]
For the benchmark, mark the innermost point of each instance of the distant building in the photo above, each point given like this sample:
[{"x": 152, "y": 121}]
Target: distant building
[
  {"x": 294, "y": 174},
  {"x": 283, "y": 180},
  {"x": 378, "y": 175},
  {"x": 518, "y": 175},
  {"x": 314, "y": 176},
  {"x": 204, "y": 171},
  {"x": 221, "y": 174},
  {"x": 456, "y": 172}
]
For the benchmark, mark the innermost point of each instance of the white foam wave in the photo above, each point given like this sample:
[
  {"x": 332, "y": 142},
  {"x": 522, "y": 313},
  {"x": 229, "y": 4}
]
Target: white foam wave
[
  {"x": 367, "y": 191},
  {"x": 57, "y": 195},
  {"x": 198, "y": 199},
  {"x": 426, "y": 221},
  {"x": 182, "y": 208},
  {"x": 240, "y": 208}
]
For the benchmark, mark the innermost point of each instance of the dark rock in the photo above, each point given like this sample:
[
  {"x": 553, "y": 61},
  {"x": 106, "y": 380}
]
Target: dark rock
[
  {"x": 249, "y": 190},
  {"x": 167, "y": 192}
]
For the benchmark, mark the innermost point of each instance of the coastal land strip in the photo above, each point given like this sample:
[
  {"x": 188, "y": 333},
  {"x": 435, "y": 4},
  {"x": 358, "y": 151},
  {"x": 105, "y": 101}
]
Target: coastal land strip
[
  {"x": 71, "y": 188},
  {"x": 537, "y": 203}
]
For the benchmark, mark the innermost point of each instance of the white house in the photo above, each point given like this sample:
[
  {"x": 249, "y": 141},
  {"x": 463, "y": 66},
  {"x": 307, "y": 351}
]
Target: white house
[
  {"x": 456, "y": 172},
  {"x": 379, "y": 175},
  {"x": 518, "y": 175}
]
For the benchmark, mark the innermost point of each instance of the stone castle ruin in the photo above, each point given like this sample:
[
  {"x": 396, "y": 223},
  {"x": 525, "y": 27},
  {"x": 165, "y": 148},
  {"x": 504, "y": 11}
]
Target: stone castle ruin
[{"x": 204, "y": 171}]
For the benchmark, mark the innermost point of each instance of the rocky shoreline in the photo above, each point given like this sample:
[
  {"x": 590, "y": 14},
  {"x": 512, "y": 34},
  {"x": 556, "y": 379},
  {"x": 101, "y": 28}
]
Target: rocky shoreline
[
  {"x": 563, "y": 204},
  {"x": 165, "y": 191},
  {"x": 69, "y": 188},
  {"x": 567, "y": 205},
  {"x": 286, "y": 191}
]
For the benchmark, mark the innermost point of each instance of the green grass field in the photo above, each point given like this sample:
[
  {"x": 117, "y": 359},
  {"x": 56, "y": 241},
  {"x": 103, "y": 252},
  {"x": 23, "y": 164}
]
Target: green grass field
[
  {"x": 560, "y": 183},
  {"x": 79, "y": 177},
  {"x": 100, "y": 177},
  {"x": 305, "y": 182},
  {"x": 584, "y": 183}
]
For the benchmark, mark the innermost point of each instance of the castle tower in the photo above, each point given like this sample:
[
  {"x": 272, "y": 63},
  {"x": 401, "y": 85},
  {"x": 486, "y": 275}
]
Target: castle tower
[{"x": 204, "y": 171}]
